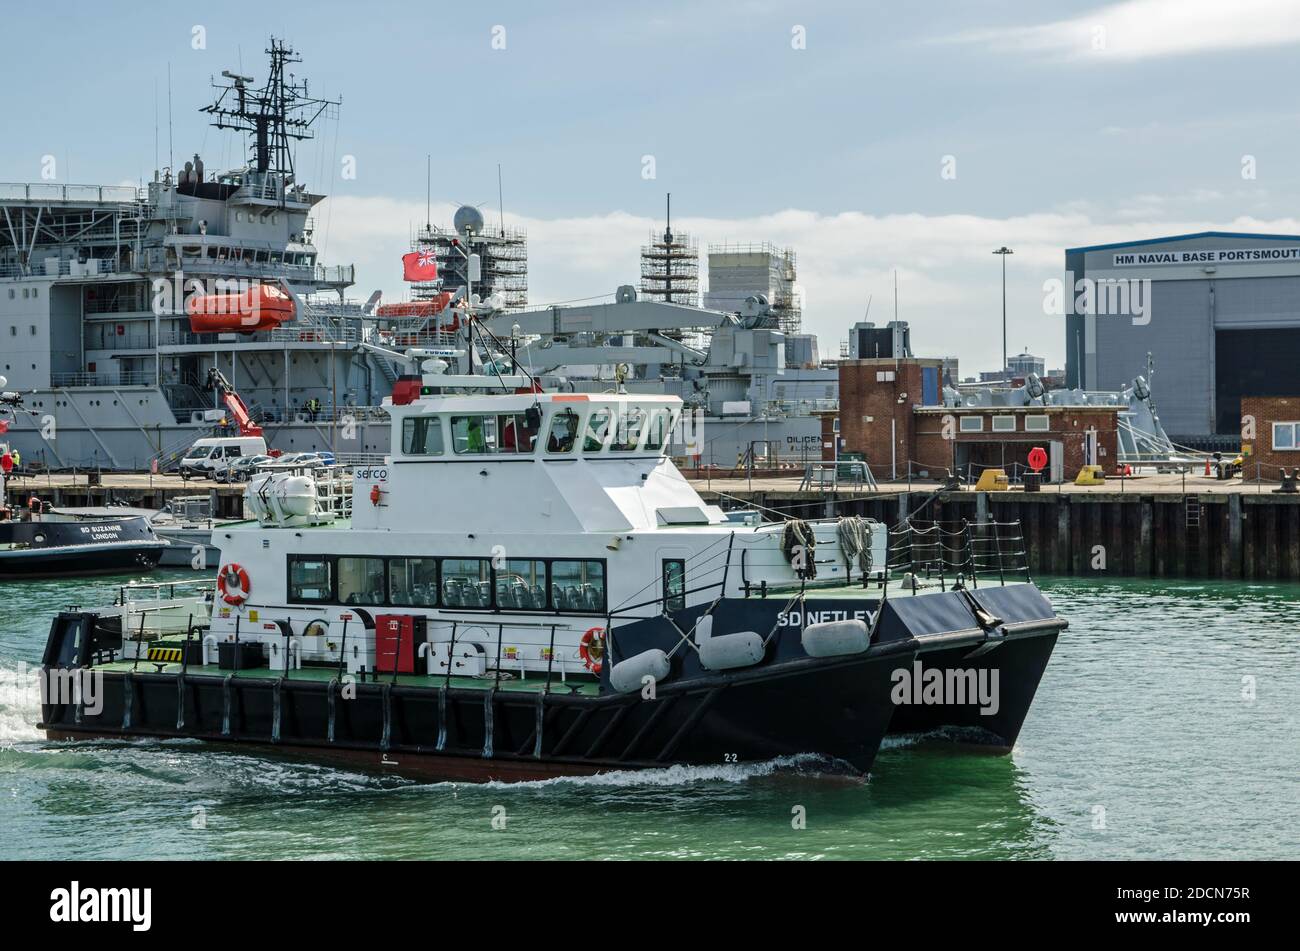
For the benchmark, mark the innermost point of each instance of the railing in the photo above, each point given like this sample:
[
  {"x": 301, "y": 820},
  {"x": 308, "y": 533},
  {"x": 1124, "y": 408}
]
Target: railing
[
  {"x": 948, "y": 552},
  {"x": 48, "y": 191},
  {"x": 66, "y": 380}
]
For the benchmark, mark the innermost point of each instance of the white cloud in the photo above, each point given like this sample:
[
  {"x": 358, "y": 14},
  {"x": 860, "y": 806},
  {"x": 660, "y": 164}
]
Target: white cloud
[
  {"x": 1141, "y": 29},
  {"x": 949, "y": 281}
]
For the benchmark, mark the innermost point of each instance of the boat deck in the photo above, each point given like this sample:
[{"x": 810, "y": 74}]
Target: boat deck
[{"x": 509, "y": 681}]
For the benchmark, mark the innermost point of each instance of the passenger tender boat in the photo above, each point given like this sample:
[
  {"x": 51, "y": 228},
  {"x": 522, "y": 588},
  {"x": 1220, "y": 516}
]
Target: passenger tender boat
[{"x": 527, "y": 587}]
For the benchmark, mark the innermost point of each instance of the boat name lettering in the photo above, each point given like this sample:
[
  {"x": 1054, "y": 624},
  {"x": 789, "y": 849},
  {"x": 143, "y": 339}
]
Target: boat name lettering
[{"x": 799, "y": 618}]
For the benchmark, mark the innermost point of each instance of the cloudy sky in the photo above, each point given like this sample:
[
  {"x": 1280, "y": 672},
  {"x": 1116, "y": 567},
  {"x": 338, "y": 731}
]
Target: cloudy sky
[{"x": 872, "y": 137}]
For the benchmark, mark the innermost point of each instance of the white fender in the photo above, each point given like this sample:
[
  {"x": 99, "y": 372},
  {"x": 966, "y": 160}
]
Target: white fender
[
  {"x": 627, "y": 676},
  {"x": 727, "y": 651}
]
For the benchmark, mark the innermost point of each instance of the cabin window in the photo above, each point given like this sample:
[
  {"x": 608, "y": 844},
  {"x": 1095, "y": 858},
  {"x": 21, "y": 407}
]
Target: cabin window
[
  {"x": 474, "y": 433},
  {"x": 361, "y": 580},
  {"x": 413, "y": 582},
  {"x": 674, "y": 584},
  {"x": 597, "y": 430},
  {"x": 422, "y": 436},
  {"x": 466, "y": 583},
  {"x": 657, "y": 429},
  {"x": 516, "y": 433},
  {"x": 564, "y": 432},
  {"x": 578, "y": 586},
  {"x": 521, "y": 585},
  {"x": 628, "y": 433},
  {"x": 310, "y": 579}
]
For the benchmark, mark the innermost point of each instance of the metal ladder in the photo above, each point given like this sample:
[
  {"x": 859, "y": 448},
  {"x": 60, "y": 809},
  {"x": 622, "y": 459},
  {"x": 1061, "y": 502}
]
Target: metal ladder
[{"x": 1193, "y": 508}]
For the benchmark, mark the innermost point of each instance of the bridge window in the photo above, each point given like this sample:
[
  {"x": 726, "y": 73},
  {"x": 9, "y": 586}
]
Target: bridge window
[
  {"x": 521, "y": 584},
  {"x": 422, "y": 436},
  {"x": 597, "y": 431},
  {"x": 413, "y": 582},
  {"x": 517, "y": 435},
  {"x": 657, "y": 429},
  {"x": 474, "y": 433},
  {"x": 466, "y": 583},
  {"x": 578, "y": 586},
  {"x": 361, "y": 580},
  {"x": 564, "y": 432},
  {"x": 628, "y": 433},
  {"x": 310, "y": 579}
]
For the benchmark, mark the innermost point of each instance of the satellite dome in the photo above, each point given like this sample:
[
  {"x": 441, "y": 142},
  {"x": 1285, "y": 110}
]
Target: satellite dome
[{"x": 468, "y": 218}]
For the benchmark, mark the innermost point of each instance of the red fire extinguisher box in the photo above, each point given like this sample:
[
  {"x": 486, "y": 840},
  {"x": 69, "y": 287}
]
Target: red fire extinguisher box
[{"x": 397, "y": 642}]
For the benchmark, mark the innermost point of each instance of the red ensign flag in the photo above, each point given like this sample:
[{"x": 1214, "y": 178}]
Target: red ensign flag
[{"x": 420, "y": 266}]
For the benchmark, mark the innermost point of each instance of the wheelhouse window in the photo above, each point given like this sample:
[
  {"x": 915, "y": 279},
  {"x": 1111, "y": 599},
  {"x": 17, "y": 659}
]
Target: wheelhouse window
[
  {"x": 593, "y": 439},
  {"x": 413, "y": 582},
  {"x": 578, "y": 586},
  {"x": 564, "y": 432},
  {"x": 657, "y": 429},
  {"x": 422, "y": 436},
  {"x": 466, "y": 583},
  {"x": 628, "y": 433},
  {"x": 310, "y": 579},
  {"x": 361, "y": 580},
  {"x": 505, "y": 433},
  {"x": 521, "y": 584},
  {"x": 517, "y": 435},
  {"x": 474, "y": 434},
  {"x": 674, "y": 584}
]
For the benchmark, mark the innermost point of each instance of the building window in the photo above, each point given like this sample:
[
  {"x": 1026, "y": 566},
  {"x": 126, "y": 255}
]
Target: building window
[
  {"x": 310, "y": 579},
  {"x": 413, "y": 582},
  {"x": 564, "y": 432},
  {"x": 422, "y": 436},
  {"x": 1037, "y": 424},
  {"x": 1286, "y": 436},
  {"x": 578, "y": 586},
  {"x": 674, "y": 584},
  {"x": 972, "y": 424},
  {"x": 1004, "y": 424},
  {"x": 361, "y": 580},
  {"x": 466, "y": 583},
  {"x": 521, "y": 585}
]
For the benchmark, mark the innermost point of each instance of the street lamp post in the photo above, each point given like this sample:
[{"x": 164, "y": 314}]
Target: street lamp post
[{"x": 1003, "y": 252}]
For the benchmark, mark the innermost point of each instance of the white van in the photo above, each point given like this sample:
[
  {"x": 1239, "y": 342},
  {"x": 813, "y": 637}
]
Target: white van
[{"x": 209, "y": 456}]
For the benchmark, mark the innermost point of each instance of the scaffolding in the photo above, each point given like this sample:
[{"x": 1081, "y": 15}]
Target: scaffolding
[
  {"x": 503, "y": 260},
  {"x": 740, "y": 271},
  {"x": 670, "y": 269}
]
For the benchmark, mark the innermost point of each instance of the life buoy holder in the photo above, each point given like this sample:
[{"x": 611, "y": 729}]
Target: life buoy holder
[
  {"x": 592, "y": 649},
  {"x": 233, "y": 582}
]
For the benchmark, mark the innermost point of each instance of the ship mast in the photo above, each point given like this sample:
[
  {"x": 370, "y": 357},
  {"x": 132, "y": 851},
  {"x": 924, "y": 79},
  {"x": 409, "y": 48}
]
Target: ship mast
[{"x": 278, "y": 113}]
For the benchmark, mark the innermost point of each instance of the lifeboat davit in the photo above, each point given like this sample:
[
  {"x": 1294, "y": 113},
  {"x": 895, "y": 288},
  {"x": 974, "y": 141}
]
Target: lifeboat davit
[{"x": 261, "y": 307}]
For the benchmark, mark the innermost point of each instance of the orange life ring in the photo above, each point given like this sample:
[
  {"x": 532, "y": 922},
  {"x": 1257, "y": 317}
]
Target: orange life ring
[
  {"x": 592, "y": 649},
  {"x": 234, "y": 573}
]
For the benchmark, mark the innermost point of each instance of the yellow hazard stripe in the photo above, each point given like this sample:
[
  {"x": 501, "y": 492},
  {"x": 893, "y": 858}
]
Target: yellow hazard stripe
[{"x": 171, "y": 655}]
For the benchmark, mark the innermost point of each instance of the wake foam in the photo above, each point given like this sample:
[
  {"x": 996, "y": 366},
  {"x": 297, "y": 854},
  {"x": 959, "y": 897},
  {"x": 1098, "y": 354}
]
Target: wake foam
[{"x": 20, "y": 705}]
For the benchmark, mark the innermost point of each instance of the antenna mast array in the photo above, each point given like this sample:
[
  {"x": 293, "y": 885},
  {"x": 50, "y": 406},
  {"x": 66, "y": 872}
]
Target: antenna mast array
[{"x": 281, "y": 111}]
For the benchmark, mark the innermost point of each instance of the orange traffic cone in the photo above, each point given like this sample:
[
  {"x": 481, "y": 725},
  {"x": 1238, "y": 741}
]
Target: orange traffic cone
[{"x": 1207, "y": 465}]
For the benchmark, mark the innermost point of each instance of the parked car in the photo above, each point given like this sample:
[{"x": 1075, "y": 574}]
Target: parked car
[
  {"x": 208, "y": 456},
  {"x": 294, "y": 460},
  {"x": 241, "y": 470}
]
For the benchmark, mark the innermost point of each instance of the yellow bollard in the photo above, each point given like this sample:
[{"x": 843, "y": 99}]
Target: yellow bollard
[
  {"x": 993, "y": 480},
  {"x": 1090, "y": 475}
]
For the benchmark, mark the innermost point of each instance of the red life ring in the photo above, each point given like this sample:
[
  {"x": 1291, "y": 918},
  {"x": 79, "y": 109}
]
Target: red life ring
[
  {"x": 234, "y": 573},
  {"x": 592, "y": 649}
]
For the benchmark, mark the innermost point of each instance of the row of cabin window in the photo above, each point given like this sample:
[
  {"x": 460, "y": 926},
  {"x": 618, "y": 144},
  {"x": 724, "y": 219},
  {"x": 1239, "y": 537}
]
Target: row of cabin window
[
  {"x": 510, "y": 434},
  {"x": 531, "y": 584}
]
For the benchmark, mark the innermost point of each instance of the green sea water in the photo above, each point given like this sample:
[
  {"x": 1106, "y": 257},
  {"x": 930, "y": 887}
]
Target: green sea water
[{"x": 1167, "y": 726}]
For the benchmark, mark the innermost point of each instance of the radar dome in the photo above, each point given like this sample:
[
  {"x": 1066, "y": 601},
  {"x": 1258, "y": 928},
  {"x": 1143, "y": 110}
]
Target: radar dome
[{"x": 468, "y": 218}]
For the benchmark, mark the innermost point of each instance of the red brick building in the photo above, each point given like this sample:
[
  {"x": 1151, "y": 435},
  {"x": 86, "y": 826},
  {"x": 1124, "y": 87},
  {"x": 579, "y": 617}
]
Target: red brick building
[
  {"x": 890, "y": 411},
  {"x": 1271, "y": 434}
]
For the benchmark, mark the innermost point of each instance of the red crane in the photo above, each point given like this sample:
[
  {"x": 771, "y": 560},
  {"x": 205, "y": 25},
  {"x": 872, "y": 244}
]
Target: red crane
[{"x": 238, "y": 411}]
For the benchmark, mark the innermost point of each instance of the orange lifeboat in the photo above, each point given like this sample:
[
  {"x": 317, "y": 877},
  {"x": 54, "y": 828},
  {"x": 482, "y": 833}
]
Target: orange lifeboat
[{"x": 261, "y": 307}]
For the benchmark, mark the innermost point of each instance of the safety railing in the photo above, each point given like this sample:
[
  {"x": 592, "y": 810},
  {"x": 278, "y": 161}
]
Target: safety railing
[{"x": 946, "y": 553}]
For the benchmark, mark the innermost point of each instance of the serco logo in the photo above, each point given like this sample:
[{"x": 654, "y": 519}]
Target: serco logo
[{"x": 378, "y": 474}]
